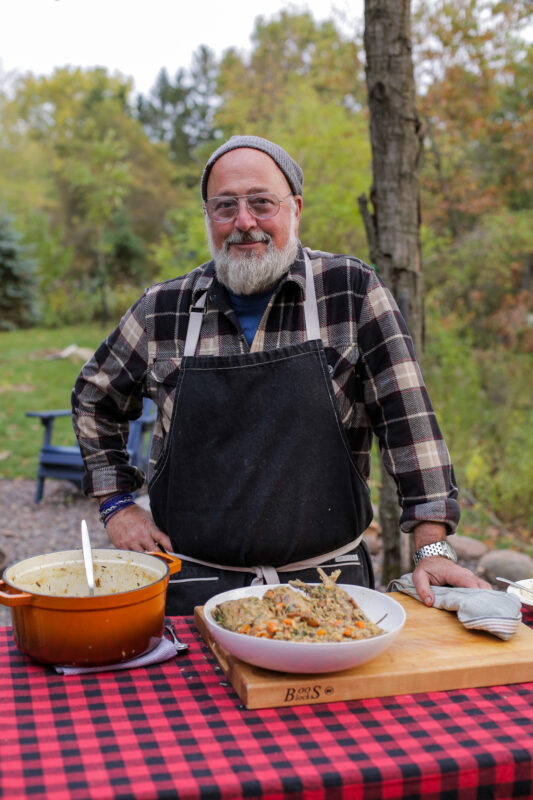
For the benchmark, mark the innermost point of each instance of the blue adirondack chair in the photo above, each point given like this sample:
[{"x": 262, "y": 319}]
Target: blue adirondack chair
[{"x": 65, "y": 463}]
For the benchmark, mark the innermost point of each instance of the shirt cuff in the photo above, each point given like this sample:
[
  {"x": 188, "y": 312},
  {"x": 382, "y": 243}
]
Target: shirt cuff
[
  {"x": 446, "y": 512},
  {"x": 106, "y": 480}
]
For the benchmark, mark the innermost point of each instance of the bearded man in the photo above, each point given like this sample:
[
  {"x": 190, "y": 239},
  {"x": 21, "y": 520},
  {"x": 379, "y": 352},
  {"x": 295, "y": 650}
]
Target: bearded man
[{"x": 271, "y": 367}]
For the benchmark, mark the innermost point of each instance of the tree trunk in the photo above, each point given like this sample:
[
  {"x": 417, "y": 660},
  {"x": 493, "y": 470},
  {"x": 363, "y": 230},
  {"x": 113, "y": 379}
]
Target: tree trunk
[{"x": 393, "y": 225}]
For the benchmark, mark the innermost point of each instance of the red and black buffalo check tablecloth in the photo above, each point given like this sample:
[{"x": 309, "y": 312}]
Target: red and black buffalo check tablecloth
[{"x": 179, "y": 730}]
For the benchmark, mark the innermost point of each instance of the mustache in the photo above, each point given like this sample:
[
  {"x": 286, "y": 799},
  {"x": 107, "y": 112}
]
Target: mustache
[{"x": 246, "y": 237}]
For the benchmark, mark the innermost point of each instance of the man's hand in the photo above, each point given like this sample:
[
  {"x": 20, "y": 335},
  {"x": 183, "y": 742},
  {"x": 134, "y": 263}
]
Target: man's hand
[
  {"x": 438, "y": 570},
  {"x": 441, "y": 571},
  {"x": 133, "y": 529}
]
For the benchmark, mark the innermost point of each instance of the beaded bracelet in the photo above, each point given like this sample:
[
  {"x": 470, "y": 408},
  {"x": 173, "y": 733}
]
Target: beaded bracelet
[{"x": 110, "y": 507}]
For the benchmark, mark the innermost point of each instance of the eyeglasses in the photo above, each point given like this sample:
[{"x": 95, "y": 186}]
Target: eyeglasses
[{"x": 262, "y": 205}]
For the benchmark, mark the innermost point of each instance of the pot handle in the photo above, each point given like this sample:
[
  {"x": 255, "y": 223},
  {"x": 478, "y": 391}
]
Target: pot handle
[
  {"x": 11, "y": 598},
  {"x": 174, "y": 563}
]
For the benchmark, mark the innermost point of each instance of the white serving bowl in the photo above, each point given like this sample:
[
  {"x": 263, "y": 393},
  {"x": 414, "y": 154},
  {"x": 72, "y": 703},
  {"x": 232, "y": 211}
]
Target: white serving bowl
[
  {"x": 525, "y": 597},
  {"x": 310, "y": 657}
]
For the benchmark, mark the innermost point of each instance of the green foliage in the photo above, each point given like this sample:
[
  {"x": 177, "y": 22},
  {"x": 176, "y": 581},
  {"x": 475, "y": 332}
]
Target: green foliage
[
  {"x": 180, "y": 113},
  {"x": 94, "y": 173},
  {"x": 17, "y": 280},
  {"x": 127, "y": 251},
  {"x": 483, "y": 402},
  {"x": 183, "y": 246},
  {"x": 291, "y": 52},
  {"x": 486, "y": 279}
]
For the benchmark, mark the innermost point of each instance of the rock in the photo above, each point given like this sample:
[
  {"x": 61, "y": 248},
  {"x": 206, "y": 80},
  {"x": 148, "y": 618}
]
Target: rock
[
  {"x": 505, "y": 564},
  {"x": 467, "y": 549}
]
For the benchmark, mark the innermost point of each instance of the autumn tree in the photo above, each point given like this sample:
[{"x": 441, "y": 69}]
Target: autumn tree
[
  {"x": 475, "y": 102},
  {"x": 392, "y": 224}
]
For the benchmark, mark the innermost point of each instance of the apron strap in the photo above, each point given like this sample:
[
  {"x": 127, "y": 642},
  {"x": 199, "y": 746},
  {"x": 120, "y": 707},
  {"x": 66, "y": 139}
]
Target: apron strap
[
  {"x": 196, "y": 316},
  {"x": 312, "y": 324},
  {"x": 267, "y": 574}
]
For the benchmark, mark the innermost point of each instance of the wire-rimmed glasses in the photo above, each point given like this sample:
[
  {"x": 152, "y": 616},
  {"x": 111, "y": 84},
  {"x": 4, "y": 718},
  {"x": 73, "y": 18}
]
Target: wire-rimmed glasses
[{"x": 262, "y": 205}]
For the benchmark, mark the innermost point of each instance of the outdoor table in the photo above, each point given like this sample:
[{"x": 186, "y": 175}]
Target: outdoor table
[{"x": 178, "y": 729}]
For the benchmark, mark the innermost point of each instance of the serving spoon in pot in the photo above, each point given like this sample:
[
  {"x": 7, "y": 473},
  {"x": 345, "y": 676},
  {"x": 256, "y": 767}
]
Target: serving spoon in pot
[{"x": 87, "y": 556}]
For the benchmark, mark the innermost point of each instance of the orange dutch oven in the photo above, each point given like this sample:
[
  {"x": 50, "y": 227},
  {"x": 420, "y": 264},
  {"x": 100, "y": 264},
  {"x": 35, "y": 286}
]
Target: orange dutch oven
[{"x": 56, "y": 621}]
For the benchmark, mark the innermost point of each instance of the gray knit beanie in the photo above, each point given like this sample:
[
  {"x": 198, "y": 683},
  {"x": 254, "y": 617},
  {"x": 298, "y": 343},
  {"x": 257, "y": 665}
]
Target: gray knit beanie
[{"x": 292, "y": 171}]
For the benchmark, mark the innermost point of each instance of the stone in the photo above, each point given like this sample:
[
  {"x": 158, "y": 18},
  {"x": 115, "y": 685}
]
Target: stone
[
  {"x": 505, "y": 564},
  {"x": 467, "y": 548}
]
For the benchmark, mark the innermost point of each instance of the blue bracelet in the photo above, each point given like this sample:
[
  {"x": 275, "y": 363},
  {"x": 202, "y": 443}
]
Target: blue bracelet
[
  {"x": 110, "y": 507},
  {"x": 112, "y": 511},
  {"x": 114, "y": 499}
]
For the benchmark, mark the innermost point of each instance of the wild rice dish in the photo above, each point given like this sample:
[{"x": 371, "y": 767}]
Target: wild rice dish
[{"x": 322, "y": 613}]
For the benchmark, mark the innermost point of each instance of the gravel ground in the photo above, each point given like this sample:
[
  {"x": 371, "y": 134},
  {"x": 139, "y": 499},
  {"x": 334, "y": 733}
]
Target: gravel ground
[{"x": 27, "y": 529}]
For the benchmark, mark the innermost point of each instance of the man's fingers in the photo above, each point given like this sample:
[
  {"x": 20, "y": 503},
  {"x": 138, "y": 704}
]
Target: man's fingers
[
  {"x": 422, "y": 586},
  {"x": 443, "y": 572},
  {"x": 162, "y": 539}
]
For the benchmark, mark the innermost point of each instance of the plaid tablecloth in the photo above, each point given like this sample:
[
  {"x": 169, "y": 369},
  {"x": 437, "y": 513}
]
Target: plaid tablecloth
[{"x": 179, "y": 730}]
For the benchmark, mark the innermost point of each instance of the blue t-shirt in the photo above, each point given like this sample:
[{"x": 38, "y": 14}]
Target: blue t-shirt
[{"x": 249, "y": 309}]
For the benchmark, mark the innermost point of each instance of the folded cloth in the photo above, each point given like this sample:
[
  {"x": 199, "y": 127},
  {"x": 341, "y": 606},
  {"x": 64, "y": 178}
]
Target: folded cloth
[
  {"x": 161, "y": 652},
  {"x": 478, "y": 609}
]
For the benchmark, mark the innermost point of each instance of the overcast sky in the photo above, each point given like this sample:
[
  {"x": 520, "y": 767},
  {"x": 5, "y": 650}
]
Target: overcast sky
[{"x": 135, "y": 37}]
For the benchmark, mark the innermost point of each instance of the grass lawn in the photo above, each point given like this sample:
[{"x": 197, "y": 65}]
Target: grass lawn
[{"x": 32, "y": 381}]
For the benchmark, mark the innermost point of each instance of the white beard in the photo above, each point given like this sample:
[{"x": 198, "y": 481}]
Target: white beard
[{"x": 252, "y": 274}]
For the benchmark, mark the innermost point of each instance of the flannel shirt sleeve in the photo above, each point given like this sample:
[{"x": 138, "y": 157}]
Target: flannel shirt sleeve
[
  {"x": 413, "y": 449},
  {"x": 108, "y": 393}
]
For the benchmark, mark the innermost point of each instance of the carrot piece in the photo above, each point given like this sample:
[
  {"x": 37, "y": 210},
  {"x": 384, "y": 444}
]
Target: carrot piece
[
  {"x": 272, "y": 627},
  {"x": 349, "y": 631},
  {"x": 288, "y": 621},
  {"x": 245, "y": 628},
  {"x": 321, "y": 632},
  {"x": 360, "y": 623}
]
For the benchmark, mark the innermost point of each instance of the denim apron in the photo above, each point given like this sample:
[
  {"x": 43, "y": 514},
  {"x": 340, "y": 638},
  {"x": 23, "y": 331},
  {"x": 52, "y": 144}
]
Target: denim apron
[{"x": 256, "y": 476}]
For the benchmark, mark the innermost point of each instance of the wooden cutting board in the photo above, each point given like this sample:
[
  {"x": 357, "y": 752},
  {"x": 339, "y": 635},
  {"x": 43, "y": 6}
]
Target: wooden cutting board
[{"x": 434, "y": 652}]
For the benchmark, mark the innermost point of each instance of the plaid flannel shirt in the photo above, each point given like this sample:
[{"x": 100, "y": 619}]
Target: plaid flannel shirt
[{"x": 376, "y": 378}]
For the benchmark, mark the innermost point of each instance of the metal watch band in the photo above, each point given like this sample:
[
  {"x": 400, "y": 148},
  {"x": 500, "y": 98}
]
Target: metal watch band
[{"x": 435, "y": 549}]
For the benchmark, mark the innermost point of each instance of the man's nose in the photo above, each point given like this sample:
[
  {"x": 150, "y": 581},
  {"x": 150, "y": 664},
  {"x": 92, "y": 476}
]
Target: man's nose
[{"x": 244, "y": 219}]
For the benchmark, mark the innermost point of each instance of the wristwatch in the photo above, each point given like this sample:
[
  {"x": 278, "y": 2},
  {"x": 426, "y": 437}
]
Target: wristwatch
[{"x": 435, "y": 549}]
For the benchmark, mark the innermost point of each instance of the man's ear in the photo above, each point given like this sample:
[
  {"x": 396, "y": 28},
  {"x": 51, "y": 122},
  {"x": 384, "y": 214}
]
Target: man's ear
[{"x": 298, "y": 199}]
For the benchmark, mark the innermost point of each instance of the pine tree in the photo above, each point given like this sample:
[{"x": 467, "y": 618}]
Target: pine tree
[{"x": 17, "y": 280}]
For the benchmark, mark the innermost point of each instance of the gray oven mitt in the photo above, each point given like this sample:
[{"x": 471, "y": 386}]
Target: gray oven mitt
[{"x": 478, "y": 609}]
